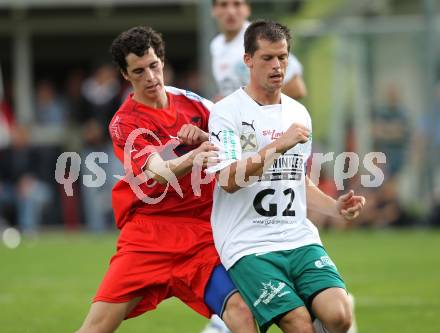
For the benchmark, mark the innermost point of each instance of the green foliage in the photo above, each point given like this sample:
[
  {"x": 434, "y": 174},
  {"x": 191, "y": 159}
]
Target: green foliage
[
  {"x": 320, "y": 9},
  {"x": 317, "y": 56},
  {"x": 319, "y": 72}
]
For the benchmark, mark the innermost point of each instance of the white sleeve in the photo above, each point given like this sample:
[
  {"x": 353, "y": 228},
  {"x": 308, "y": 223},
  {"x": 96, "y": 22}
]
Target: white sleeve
[
  {"x": 294, "y": 68},
  {"x": 225, "y": 134},
  {"x": 308, "y": 145}
]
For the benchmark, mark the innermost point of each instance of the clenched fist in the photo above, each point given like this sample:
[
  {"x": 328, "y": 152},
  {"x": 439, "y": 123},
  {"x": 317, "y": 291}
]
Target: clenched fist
[
  {"x": 295, "y": 134},
  {"x": 192, "y": 135}
]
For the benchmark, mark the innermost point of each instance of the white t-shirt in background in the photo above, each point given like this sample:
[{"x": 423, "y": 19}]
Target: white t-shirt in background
[{"x": 228, "y": 68}]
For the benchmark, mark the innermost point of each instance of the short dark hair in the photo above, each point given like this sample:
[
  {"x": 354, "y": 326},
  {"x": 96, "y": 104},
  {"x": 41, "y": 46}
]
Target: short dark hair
[
  {"x": 136, "y": 40},
  {"x": 268, "y": 30},
  {"x": 215, "y": 1}
]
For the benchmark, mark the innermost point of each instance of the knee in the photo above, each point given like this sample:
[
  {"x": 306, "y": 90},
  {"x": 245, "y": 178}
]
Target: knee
[
  {"x": 296, "y": 323},
  {"x": 334, "y": 309},
  {"x": 340, "y": 320},
  {"x": 237, "y": 313}
]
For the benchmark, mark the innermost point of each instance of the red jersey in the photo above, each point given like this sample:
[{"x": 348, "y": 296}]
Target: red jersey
[{"x": 158, "y": 133}]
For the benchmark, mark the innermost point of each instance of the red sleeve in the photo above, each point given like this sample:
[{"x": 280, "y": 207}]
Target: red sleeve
[
  {"x": 205, "y": 120},
  {"x": 204, "y": 113},
  {"x": 130, "y": 144}
]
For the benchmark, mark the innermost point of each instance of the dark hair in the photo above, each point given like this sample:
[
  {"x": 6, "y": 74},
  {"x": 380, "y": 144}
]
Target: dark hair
[
  {"x": 267, "y": 30},
  {"x": 215, "y": 1},
  {"x": 136, "y": 40}
]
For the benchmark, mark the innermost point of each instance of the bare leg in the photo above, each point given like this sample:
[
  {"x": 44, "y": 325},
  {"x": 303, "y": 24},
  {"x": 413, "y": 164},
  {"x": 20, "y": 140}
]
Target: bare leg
[
  {"x": 296, "y": 321},
  {"x": 353, "y": 327},
  {"x": 106, "y": 317},
  {"x": 333, "y": 308},
  {"x": 319, "y": 326},
  {"x": 238, "y": 317}
]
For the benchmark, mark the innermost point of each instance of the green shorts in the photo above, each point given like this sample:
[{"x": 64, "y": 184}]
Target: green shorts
[{"x": 274, "y": 283}]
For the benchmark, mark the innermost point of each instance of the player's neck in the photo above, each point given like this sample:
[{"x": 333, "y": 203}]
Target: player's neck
[
  {"x": 230, "y": 35},
  {"x": 161, "y": 102},
  {"x": 261, "y": 96}
]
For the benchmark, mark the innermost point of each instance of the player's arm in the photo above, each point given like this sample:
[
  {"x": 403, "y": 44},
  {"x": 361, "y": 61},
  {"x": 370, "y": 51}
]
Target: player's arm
[
  {"x": 192, "y": 135},
  {"x": 140, "y": 155},
  {"x": 232, "y": 177},
  {"x": 165, "y": 171},
  {"x": 295, "y": 87},
  {"x": 348, "y": 205}
]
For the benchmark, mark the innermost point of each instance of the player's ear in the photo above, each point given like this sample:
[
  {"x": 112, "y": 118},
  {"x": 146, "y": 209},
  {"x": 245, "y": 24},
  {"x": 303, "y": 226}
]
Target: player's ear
[
  {"x": 124, "y": 75},
  {"x": 247, "y": 10},
  {"x": 247, "y": 58}
]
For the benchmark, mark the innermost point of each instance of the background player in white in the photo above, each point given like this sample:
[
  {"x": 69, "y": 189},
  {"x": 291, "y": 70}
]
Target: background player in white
[
  {"x": 229, "y": 71},
  {"x": 259, "y": 214}
]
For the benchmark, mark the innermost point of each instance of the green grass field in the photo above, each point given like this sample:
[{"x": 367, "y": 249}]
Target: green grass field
[{"x": 46, "y": 283}]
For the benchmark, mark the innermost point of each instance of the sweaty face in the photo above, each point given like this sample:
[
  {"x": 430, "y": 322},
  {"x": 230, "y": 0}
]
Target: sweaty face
[
  {"x": 145, "y": 74},
  {"x": 231, "y": 14},
  {"x": 268, "y": 64}
]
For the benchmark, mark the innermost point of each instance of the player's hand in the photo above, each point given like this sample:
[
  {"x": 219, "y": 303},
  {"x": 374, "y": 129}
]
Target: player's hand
[
  {"x": 192, "y": 135},
  {"x": 349, "y": 205},
  {"x": 295, "y": 134},
  {"x": 206, "y": 155}
]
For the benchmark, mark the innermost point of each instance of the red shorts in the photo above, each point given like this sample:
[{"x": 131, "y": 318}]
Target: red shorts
[{"x": 159, "y": 259}]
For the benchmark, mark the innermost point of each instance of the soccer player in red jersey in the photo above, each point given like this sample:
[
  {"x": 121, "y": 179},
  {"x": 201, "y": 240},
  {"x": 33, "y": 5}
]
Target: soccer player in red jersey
[{"x": 165, "y": 247}]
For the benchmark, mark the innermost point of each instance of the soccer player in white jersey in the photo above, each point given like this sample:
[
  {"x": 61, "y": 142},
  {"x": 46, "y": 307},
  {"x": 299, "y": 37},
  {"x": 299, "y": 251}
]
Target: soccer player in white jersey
[
  {"x": 229, "y": 70},
  {"x": 272, "y": 251},
  {"x": 230, "y": 73}
]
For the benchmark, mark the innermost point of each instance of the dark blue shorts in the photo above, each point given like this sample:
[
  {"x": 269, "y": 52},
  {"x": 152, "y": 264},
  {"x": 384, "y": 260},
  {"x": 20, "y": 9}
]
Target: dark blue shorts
[{"x": 218, "y": 290}]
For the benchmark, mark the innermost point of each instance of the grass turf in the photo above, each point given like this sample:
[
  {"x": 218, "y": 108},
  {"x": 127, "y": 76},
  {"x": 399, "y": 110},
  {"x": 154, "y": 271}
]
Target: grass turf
[{"x": 47, "y": 282}]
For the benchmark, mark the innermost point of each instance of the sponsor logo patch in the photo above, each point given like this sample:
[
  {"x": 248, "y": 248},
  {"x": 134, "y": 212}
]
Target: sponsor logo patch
[
  {"x": 270, "y": 291},
  {"x": 324, "y": 261}
]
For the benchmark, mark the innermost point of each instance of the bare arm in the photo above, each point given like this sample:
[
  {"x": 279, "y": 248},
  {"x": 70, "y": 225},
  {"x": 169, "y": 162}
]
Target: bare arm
[
  {"x": 295, "y": 87},
  {"x": 320, "y": 202},
  {"x": 164, "y": 171},
  {"x": 348, "y": 205},
  {"x": 255, "y": 166},
  {"x": 192, "y": 135}
]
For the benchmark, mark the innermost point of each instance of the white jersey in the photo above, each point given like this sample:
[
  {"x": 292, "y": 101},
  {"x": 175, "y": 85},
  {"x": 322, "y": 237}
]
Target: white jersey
[
  {"x": 228, "y": 68},
  {"x": 271, "y": 214}
]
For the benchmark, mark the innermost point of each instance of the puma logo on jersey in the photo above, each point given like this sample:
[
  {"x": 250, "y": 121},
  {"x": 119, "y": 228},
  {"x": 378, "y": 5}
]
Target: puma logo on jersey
[
  {"x": 251, "y": 125},
  {"x": 216, "y": 135}
]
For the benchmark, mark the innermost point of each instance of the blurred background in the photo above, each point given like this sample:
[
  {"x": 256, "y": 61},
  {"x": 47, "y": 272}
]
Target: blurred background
[{"x": 372, "y": 69}]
